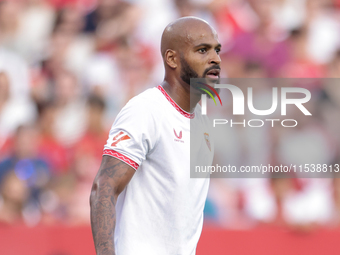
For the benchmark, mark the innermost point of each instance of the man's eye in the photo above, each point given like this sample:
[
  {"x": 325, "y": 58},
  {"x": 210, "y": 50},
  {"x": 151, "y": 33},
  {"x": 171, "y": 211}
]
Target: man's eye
[
  {"x": 218, "y": 51},
  {"x": 203, "y": 50}
]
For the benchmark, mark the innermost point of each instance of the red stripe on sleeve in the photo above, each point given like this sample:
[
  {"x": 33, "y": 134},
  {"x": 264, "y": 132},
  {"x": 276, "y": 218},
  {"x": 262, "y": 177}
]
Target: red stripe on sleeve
[{"x": 121, "y": 157}]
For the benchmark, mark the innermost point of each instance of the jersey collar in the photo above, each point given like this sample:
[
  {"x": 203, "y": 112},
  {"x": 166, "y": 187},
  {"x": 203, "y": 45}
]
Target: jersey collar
[{"x": 175, "y": 105}]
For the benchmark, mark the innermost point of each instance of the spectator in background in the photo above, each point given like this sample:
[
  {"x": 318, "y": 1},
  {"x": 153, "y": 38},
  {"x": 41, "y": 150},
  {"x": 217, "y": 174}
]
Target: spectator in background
[
  {"x": 71, "y": 48},
  {"x": 24, "y": 158},
  {"x": 91, "y": 143},
  {"x": 49, "y": 148},
  {"x": 26, "y": 26},
  {"x": 70, "y": 120},
  {"x": 25, "y": 163},
  {"x": 9, "y": 21},
  {"x": 14, "y": 194},
  {"x": 13, "y": 111},
  {"x": 112, "y": 21},
  {"x": 137, "y": 74}
]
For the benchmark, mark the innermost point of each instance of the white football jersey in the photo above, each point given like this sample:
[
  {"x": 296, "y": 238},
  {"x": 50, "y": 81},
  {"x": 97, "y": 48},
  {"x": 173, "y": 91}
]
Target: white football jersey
[{"x": 160, "y": 212}]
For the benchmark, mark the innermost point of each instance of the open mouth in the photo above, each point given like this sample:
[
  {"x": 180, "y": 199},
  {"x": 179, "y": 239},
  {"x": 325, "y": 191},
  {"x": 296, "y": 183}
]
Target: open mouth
[{"x": 213, "y": 74}]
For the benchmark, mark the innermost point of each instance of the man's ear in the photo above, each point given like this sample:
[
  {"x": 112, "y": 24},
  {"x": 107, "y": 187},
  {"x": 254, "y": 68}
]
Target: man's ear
[{"x": 171, "y": 58}]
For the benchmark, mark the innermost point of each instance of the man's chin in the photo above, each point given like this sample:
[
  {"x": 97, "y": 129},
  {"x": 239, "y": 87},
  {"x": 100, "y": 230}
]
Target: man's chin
[
  {"x": 211, "y": 81},
  {"x": 203, "y": 83}
]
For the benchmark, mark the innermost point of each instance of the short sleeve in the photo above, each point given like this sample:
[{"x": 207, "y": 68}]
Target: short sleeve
[{"x": 133, "y": 134}]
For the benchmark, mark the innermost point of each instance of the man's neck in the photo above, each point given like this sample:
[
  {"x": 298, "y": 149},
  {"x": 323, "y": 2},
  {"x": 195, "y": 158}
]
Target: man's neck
[{"x": 180, "y": 93}]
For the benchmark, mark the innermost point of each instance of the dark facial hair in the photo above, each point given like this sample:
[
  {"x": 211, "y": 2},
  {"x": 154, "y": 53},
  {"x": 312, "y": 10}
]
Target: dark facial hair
[{"x": 187, "y": 72}]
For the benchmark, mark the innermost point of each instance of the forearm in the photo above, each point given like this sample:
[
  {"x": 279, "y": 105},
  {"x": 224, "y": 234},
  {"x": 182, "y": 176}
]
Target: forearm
[
  {"x": 112, "y": 178},
  {"x": 103, "y": 218}
]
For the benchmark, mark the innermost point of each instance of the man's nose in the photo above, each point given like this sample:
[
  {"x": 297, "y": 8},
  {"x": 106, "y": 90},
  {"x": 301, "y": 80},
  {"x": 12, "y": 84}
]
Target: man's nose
[{"x": 215, "y": 59}]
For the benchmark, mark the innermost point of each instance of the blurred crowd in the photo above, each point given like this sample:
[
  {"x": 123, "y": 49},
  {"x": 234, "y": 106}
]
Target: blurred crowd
[{"x": 68, "y": 66}]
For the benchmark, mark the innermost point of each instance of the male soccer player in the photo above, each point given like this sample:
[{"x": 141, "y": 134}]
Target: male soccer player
[{"x": 143, "y": 200}]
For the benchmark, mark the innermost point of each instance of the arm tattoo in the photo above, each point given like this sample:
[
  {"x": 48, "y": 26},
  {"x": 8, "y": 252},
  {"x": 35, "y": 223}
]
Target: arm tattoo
[
  {"x": 112, "y": 171},
  {"x": 103, "y": 211}
]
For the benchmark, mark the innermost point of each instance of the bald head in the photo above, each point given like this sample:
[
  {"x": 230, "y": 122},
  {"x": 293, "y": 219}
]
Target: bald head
[
  {"x": 190, "y": 49},
  {"x": 182, "y": 32}
]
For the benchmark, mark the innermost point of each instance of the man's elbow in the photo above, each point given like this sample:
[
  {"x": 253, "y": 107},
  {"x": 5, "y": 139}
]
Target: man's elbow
[{"x": 102, "y": 188}]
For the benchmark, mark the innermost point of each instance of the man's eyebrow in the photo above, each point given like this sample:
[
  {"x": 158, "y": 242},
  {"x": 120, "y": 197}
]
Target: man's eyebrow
[{"x": 207, "y": 45}]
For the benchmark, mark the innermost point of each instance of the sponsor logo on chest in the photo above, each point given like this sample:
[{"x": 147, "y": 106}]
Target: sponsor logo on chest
[{"x": 178, "y": 136}]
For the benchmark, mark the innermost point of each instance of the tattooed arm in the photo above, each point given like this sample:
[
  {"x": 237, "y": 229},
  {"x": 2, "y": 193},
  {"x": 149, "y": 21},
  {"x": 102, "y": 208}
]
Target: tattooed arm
[{"x": 112, "y": 178}]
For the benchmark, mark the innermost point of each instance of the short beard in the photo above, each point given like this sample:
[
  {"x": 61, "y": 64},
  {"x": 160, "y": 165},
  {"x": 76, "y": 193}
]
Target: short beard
[{"x": 186, "y": 71}]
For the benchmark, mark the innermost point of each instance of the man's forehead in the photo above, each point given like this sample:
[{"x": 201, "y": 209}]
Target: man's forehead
[
  {"x": 186, "y": 33},
  {"x": 198, "y": 36}
]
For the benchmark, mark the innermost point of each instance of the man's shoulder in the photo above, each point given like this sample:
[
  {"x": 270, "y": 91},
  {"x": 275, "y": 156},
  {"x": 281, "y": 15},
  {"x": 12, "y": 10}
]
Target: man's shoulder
[
  {"x": 147, "y": 96},
  {"x": 145, "y": 103}
]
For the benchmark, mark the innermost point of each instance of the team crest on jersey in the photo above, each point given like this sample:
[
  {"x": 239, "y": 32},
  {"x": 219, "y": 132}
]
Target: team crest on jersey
[
  {"x": 207, "y": 140},
  {"x": 121, "y": 136}
]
